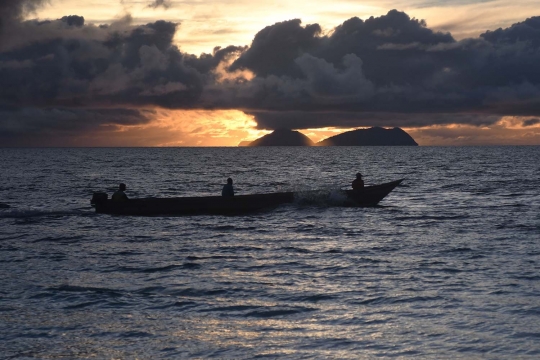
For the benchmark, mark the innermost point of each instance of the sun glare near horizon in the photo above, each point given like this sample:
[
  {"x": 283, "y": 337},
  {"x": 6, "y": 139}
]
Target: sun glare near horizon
[
  {"x": 192, "y": 128},
  {"x": 207, "y": 128}
]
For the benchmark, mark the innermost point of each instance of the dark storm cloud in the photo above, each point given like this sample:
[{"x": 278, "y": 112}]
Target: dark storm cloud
[
  {"x": 73, "y": 20},
  {"x": 51, "y": 69},
  {"x": 526, "y": 31},
  {"x": 307, "y": 119},
  {"x": 531, "y": 122},
  {"x": 12, "y": 12},
  {"x": 157, "y": 3},
  {"x": 389, "y": 70},
  {"x": 205, "y": 63},
  {"x": 400, "y": 67},
  {"x": 60, "y": 126},
  {"x": 108, "y": 65},
  {"x": 275, "y": 48}
]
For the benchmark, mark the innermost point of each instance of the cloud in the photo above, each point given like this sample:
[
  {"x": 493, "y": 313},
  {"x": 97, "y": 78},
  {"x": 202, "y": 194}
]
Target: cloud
[
  {"x": 116, "y": 65},
  {"x": 157, "y": 3},
  {"x": 30, "y": 126},
  {"x": 275, "y": 48},
  {"x": 506, "y": 131},
  {"x": 390, "y": 70},
  {"x": 12, "y": 12},
  {"x": 341, "y": 119},
  {"x": 531, "y": 122},
  {"x": 128, "y": 128},
  {"x": 409, "y": 68}
]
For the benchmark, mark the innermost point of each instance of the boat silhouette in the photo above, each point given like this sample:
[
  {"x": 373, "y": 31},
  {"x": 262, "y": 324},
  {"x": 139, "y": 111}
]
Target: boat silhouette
[{"x": 239, "y": 204}]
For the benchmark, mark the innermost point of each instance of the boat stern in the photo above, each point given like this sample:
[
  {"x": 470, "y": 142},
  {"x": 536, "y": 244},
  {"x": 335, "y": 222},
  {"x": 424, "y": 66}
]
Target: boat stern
[{"x": 98, "y": 198}]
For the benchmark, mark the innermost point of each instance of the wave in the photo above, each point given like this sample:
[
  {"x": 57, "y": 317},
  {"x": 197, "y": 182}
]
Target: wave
[
  {"x": 458, "y": 250},
  {"x": 83, "y": 305},
  {"x": 295, "y": 249},
  {"x": 175, "y": 305},
  {"x": 265, "y": 313},
  {"x": 198, "y": 292},
  {"x": 314, "y": 298},
  {"x": 29, "y": 213},
  {"x": 151, "y": 290},
  {"x": 398, "y": 300},
  {"x": 333, "y": 251},
  {"x": 522, "y": 227},
  {"x": 371, "y": 261},
  {"x": 61, "y": 239},
  {"x": 432, "y": 217},
  {"x": 156, "y": 269},
  {"x": 230, "y": 308},
  {"x": 51, "y": 291}
]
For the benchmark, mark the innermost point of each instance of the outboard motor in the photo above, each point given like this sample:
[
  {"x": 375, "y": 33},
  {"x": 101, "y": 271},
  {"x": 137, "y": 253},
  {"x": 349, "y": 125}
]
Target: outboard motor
[{"x": 98, "y": 197}]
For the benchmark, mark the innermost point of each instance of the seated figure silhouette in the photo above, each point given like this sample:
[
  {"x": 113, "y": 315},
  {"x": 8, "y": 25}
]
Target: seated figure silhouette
[
  {"x": 119, "y": 194},
  {"x": 358, "y": 183},
  {"x": 228, "y": 190}
]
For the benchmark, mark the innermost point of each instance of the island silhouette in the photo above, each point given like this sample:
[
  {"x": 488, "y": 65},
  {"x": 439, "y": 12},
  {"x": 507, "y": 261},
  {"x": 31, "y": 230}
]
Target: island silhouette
[
  {"x": 375, "y": 136},
  {"x": 283, "y": 137}
]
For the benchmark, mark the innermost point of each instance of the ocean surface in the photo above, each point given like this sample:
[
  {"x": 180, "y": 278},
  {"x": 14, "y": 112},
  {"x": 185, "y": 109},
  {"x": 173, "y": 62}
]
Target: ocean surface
[{"x": 447, "y": 267}]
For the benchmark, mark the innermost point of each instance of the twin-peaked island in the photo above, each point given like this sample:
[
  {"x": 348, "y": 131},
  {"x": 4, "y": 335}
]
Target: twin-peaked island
[{"x": 375, "y": 136}]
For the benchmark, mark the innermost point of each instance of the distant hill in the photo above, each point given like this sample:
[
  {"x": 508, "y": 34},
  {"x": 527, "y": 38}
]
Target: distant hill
[
  {"x": 375, "y": 136},
  {"x": 283, "y": 137}
]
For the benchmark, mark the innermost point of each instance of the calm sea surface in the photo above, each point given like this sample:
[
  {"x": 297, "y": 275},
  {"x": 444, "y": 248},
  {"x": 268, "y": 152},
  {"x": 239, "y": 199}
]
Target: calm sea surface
[{"x": 448, "y": 266}]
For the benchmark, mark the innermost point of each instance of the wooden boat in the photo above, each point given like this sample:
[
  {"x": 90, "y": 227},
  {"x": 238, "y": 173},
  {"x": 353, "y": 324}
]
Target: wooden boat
[{"x": 369, "y": 196}]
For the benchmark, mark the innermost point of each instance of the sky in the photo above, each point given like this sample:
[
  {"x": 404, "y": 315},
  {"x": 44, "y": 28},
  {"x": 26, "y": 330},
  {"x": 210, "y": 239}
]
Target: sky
[{"x": 215, "y": 73}]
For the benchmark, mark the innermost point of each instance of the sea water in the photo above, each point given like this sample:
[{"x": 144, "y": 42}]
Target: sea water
[{"x": 448, "y": 266}]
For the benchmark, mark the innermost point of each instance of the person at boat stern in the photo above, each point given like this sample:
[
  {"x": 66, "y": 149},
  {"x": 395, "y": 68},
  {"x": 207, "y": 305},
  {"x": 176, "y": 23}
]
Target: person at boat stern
[
  {"x": 228, "y": 189},
  {"x": 120, "y": 195},
  {"x": 358, "y": 183}
]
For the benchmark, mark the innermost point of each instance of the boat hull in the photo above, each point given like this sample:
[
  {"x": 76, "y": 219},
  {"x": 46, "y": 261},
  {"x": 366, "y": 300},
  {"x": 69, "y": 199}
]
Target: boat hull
[{"x": 239, "y": 204}]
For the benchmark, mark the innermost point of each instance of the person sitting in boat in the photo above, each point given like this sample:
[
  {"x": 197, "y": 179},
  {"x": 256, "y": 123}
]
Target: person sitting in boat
[
  {"x": 228, "y": 189},
  {"x": 119, "y": 194},
  {"x": 358, "y": 183}
]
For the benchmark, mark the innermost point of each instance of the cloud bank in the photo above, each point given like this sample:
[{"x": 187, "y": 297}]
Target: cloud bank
[{"x": 390, "y": 70}]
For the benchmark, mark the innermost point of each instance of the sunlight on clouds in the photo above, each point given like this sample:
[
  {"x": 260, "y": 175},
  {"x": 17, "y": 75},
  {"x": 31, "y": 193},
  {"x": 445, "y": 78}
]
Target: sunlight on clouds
[
  {"x": 510, "y": 130},
  {"x": 517, "y": 123},
  {"x": 222, "y": 74}
]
